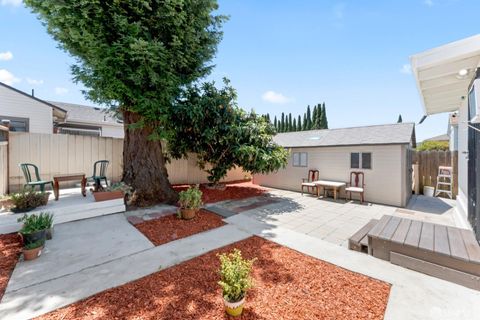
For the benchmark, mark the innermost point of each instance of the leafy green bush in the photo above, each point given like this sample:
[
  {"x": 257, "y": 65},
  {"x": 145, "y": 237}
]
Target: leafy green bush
[
  {"x": 35, "y": 244},
  {"x": 190, "y": 198},
  {"x": 433, "y": 145},
  {"x": 28, "y": 200},
  {"x": 235, "y": 277},
  {"x": 33, "y": 223}
]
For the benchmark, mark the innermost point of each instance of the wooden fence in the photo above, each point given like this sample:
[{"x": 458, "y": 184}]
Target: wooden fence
[
  {"x": 428, "y": 163},
  {"x": 63, "y": 154}
]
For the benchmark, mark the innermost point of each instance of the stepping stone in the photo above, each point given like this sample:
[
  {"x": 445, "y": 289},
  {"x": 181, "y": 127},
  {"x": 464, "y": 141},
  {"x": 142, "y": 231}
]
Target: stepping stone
[{"x": 221, "y": 211}]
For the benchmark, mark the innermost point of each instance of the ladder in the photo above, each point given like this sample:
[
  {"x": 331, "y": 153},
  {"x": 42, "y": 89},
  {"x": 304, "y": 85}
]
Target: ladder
[{"x": 444, "y": 181}]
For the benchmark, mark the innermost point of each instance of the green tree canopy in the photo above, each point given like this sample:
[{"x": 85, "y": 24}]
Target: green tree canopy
[{"x": 208, "y": 122}]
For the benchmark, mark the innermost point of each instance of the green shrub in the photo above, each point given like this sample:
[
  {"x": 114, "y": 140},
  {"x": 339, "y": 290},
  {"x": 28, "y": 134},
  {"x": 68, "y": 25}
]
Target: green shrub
[
  {"x": 190, "y": 198},
  {"x": 33, "y": 222},
  {"x": 433, "y": 145},
  {"x": 235, "y": 277},
  {"x": 28, "y": 200},
  {"x": 34, "y": 245}
]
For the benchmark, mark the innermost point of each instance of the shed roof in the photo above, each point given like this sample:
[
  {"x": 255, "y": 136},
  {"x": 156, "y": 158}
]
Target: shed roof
[
  {"x": 398, "y": 133},
  {"x": 87, "y": 114}
]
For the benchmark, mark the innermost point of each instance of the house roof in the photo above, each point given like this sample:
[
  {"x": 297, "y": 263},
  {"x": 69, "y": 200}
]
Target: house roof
[
  {"x": 442, "y": 137},
  {"x": 398, "y": 133},
  {"x": 443, "y": 74},
  {"x": 87, "y": 114}
]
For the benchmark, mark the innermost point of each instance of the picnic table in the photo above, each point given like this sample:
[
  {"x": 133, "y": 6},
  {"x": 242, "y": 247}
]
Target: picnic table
[
  {"x": 69, "y": 177},
  {"x": 335, "y": 185}
]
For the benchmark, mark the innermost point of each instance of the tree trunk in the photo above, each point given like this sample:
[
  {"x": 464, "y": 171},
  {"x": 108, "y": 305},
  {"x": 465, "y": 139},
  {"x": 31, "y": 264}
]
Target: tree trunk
[{"x": 144, "y": 165}]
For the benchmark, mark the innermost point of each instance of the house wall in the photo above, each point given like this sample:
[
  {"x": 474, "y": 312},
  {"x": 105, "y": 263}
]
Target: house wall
[
  {"x": 63, "y": 154},
  {"x": 112, "y": 131},
  {"x": 384, "y": 183},
  {"x": 462, "y": 197},
  {"x": 14, "y": 104}
]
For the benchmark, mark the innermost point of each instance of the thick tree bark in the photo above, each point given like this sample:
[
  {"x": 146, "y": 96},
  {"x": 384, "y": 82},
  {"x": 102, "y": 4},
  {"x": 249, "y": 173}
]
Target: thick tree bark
[{"x": 144, "y": 166}]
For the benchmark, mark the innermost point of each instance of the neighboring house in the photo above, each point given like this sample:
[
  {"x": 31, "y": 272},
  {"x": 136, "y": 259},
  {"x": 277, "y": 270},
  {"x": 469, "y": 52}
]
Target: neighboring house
[
  {"x": 448, "y": 80},
  {"x": 440, "y": 138},
  {"x": 453, "y": 131},
  {"x": 27, "y": 113},
  {"x": 86, "y": 120},
  {"x": 382, "y": 152}
]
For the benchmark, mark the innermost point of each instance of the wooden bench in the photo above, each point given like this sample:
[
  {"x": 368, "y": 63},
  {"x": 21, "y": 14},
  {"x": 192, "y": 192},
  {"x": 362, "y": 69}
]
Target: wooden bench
[
  {"x": 359, "y": 240},
  {"x": 448, "y": 253}
]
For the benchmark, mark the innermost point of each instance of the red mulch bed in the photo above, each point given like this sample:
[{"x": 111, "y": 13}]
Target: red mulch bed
[
  {"x": 289, "y": 285},
  {"x": 165, "y": 229},
  {"x": 233, "y": 191},
  {"x": 10, "y": 249}
]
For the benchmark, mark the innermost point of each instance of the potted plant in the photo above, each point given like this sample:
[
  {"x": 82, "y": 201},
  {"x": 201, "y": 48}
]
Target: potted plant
[
  {"x": 235, "y": 281},
  {"x": 25, "y": 201},
  {"x": 115, "y": 191},
  {"x": 33, "y": 250},
  {"x": 33, "y": 229},
  {"x": 190, "y": 202},
  {"x": 46, "y": 220}
]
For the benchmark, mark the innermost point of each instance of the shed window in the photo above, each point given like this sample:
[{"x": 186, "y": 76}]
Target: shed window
[
  {"x": 361, "y": 160},
  {"x": 16, "y": 124},
  {"x": 300, "y": 159}
]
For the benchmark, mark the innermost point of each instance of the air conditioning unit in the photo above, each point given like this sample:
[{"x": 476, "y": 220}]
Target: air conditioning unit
[{"x": 474, "y": 102}]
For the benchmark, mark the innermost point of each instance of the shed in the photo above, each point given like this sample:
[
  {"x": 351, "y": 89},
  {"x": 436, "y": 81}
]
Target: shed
[{"x": 382, "y": 152}]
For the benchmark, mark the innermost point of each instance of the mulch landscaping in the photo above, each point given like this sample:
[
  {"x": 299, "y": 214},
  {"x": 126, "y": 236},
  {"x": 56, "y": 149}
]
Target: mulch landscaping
[
  {"x": 233, "y": 191},
  {"x": 169, "y": 228},
  {"x": 10, "y": 249},
  {"x": 289, "y": 285}
]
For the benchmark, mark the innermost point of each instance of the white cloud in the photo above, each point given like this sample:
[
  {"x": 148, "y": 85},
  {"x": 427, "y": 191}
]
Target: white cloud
[
  {"x": 5, "y": 56},
  {"x": 7, "y": 77},
  {"x": 406, "y": 69},
  {"x": 61, "y": 91},
  {"x": 275, "y": 97},
  {"x": 34, "y": 82},
  {"x": 429, "y": 3},
  {"x": 14, "y": 3}
]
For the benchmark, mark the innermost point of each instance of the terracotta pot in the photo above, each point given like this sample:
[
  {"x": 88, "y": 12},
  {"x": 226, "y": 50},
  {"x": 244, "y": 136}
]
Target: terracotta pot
[
  {"x": 32, "y": 254},
  {"x": 234, "y": 308},
  {"x": 107, "y": 195},
  {"x": 188, "y": 214}
]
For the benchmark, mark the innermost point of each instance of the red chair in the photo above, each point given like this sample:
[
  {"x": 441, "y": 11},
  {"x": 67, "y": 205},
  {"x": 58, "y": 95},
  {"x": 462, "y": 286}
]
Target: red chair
[
  {"x": 308, "y": 182},
  {"x": 356, "y": 184}
]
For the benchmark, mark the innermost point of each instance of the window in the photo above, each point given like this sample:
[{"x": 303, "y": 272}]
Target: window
[
  {"x": 361, "y": 160},
  {"x": 300, "y": 159},
  {"x": 16, "y": 124}
]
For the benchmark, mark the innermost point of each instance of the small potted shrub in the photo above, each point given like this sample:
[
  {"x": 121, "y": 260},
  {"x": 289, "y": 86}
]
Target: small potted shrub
[
  {"x": 115, "y": 191},
  {"x": 190, "y": 202},
  {"x": 33, "y": 229},
  {"x": 33, "y": 250},
  {"x": 46, "y": 220},
  {"x": 25, "y": 201},
  {"x": 235, "y": 281}
]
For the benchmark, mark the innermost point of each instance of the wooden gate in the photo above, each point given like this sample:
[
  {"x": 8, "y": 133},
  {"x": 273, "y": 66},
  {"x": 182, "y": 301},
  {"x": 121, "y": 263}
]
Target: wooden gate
[{"x": 428, "y": 163}]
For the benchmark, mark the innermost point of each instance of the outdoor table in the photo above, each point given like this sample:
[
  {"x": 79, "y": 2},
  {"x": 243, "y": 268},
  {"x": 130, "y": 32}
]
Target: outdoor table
[
  {"x": 335, "y": 185},
  {"x": 69, "y": 177}
]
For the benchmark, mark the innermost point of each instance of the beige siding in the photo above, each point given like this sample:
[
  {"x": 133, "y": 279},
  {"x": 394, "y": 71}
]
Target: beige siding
[
  {"x": 14, "y": 104},
  {"x": 62, "y": 154},
  {"x": 384, "y": 182},
  {"x": 3, "y": 168},
  {"x": 112, "y": 131}
]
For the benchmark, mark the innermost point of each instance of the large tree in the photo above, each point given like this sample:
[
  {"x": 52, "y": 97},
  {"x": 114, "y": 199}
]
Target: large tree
[
  {"x": 207, "y": 121},
  {"x": 136, "y": 56}
]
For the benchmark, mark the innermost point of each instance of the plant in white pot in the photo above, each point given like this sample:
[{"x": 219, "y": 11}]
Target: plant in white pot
[
  {"x": 235, "y": 280},
  {"x": 190, "y": 202}
]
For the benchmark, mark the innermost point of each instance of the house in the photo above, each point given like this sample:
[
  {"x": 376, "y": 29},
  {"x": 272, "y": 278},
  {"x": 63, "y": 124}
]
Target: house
[
  {"x": 453, "y": 131},
  {"x": 27, "y": 113},
  {"x": 448, "y": 80},
  {"x": 382, "y": 152},
  {"x": 439, "y": 138}
]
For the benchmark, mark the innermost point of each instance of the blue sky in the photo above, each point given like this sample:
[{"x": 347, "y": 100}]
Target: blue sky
[{"x": 283, "y": 55}]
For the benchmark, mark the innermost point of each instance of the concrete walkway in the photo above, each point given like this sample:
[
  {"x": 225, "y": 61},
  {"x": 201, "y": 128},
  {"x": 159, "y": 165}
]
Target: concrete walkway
[
  {"x": 413, "y": 295},
  {"x": 32, "y": 297}
]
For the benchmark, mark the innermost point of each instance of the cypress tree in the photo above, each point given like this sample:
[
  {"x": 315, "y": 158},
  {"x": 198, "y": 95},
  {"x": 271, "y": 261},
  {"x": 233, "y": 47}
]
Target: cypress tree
[
  {"x": 275, "y": 123},
  {"x": 268, "y": 117},
  {"x": 290, "y": 124},
  {"x": 304, "y": 127},
  {"x": 282, "y": 124},
  {"x": 400, "y": 120},
  {"x": 324, "y": 122},
  {"x": 299, "y": 123},
  {"x": 309, "y": 118},
  {"x": 294, "y": 128},
  {"x": 314, "y": 117}
]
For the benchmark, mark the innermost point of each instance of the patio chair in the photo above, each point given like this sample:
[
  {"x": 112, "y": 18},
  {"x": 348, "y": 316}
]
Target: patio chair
[
  {"x": 308, "y": 182},
  {"x": 356, "y": 184},
  {"x": 27, "y": 169},
  {"x": 99, "y": 173}
]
